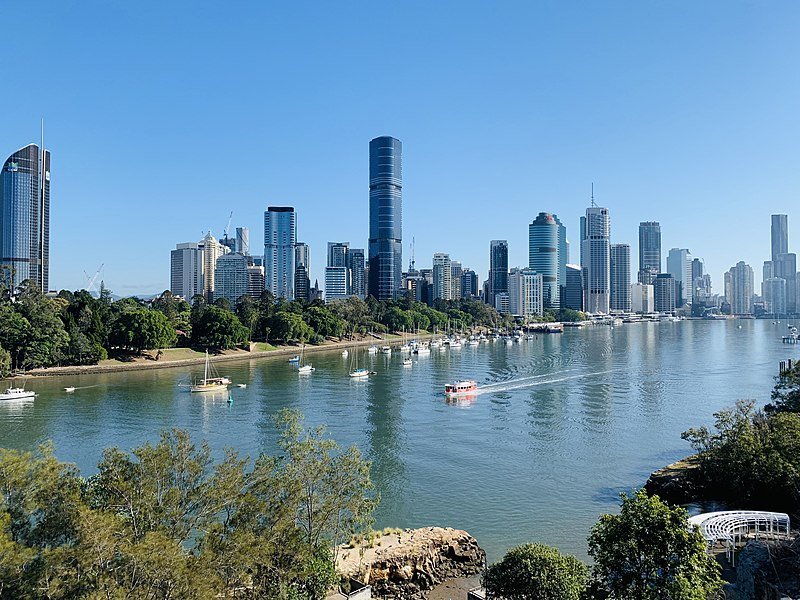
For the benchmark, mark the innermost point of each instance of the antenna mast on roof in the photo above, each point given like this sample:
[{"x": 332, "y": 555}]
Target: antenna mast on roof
[
  {"x": 593, "y": 202},
  {"x": 413, "y": 262}
]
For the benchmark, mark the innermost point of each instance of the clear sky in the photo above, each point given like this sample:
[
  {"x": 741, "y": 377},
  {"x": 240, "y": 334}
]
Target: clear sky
[{"x": 163, "y": 117}]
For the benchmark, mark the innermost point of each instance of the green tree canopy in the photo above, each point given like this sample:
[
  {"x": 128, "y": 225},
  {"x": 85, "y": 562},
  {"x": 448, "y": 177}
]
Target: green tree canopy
[
  {"x": 219, "y": 329},
  {"x": 536, "y": 572},
  {"x": 139, "y": 329},
  {"x": 648, "y": 552}
]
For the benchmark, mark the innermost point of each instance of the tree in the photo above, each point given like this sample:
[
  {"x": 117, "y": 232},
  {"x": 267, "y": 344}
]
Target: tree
[
  {"x": 219, "y": 329},
  {"x": 536, "y": 572},
  {"x": 288, "y": 326},
  {"x": 648, "y": 552},
  {"x": 142, "y": 329},
  {"x": 5, "y": 362},
  {"x": 397, "y": 319},
  {"x": 325, "y": 322},
  {"x": 786, "y": 393}
]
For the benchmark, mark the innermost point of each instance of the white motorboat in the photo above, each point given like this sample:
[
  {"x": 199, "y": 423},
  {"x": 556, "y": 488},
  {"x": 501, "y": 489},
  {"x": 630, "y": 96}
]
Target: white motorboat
[
  {"x": 13, "y": 393},
  {"x": 69, "y": 390},
  {"x": 241, "y": 385},
  {"x": 373, "y": 350},
  {"x": 422, "y": 349},
  {"x": 386, "y": 349},
  {"x": 407, "y": 362},
  {"x": 359, "y": 373}
]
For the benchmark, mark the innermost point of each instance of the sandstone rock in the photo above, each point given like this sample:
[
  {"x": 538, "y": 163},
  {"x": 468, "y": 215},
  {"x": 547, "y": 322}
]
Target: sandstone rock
[
  {"x": 409, "y": 564},
  {"x": 676, "y": 483}
]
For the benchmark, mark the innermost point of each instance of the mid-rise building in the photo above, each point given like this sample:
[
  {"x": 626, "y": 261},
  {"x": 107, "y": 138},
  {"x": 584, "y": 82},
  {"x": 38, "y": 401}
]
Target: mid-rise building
[
  {"x": 385, "y": 217},
  {"x": 25, "y": 218},
  {"x": 642, "y": 298},
  {"x": 442, "y": 277},
  {"x": 741, "y": 289},
  {"x": 337, "y": 283},
  {"x": 620, "y": 265},
  {"x": 186, "y": 270},
  {"x": 525, "y": 293},
  {"x": 469, "y": 284},
  {"x": 498, "y": 269},
  {"x": 596, "y": 257},
  {"x": 455, "y": 279},
  {"x": 255, "y": 280},
  {"x": 280, "y": 238},
  {"x": 774, "y": 292},
  {"x": 547, "y": 255},
  {"x": 573, "y": 296},
  {"x": 679, "y": 265},
  {"x": 212, "y": 250},
  {"x": 649, "y": 251},
  {"x": 502, "y": 303},
  {"x": 231, "y": 277},
  {"x": 664, "y": 294}
]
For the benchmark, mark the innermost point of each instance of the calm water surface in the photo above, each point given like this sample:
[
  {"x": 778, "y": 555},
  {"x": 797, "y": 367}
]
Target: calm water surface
[{"x": 570, "y": 421}]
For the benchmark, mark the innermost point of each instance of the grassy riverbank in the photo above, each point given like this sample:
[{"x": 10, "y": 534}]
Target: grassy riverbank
[{"x": 180, "y": 357}]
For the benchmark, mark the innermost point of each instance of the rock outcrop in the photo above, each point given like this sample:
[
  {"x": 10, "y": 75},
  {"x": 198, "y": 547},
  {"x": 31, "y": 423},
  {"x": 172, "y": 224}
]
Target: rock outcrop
[
  {"x": 768, "y": 571},
  {"x": 408, "y": 564},
  {"x": 677, "y": 483}
]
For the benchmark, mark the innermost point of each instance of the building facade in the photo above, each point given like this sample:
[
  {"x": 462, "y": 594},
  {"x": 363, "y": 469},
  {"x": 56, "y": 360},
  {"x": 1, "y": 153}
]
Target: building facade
[
  {"x": 337, "y": 283},
  {"x": 642, "y": 298},
  {"x": 186, "y": 270},
  {"x": 255, "y": 280},
  {"x": 649, "y": 251},
  {"x": 779, "y": 236},
  {"x": 774, "y": 292},
  {"x": 280, "y": 238},
  {"x": 498, "y": 269},
  {"x": 356, "y": 260},
  {"x": 679, "y": 265},
  {"x": 25, "y": 217},
  {"x": 243, "y": 240},
  {"x": 231, "y": 278},
  {"x": 385, "y": 217},
  {"x": 741, "y": 289},
  {"x": 573, "y": 296},
  {"x": 212, "y": 250},
  {"x": 664, "y": 293},
  {"x": 785, "y": 267},
  {"x": 596, "y": 257},
  {"x": 525, "y": 293},
  {"x": 442, "y": 277},
  {"x": 469, "y": 284},
  {"x": 547, "y": 255},
  {"x": 620, "y": 265}
]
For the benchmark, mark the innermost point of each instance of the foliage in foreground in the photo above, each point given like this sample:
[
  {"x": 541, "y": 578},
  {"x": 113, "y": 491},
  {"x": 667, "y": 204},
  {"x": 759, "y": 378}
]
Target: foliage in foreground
[
  {"x": 536, "y": 572},
  {"x": 648, "y": 552},
  {"x": 165, "y": 521}
]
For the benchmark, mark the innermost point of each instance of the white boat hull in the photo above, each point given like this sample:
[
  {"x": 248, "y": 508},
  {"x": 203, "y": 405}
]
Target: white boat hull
[{"x": 17, "y": 395}]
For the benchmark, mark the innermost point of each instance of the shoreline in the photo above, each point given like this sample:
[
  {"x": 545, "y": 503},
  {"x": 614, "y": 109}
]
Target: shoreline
[{"x": 238, "y": 355}]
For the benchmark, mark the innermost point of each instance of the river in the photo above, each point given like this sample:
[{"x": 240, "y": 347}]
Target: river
[{"x": 565, "y": 424}]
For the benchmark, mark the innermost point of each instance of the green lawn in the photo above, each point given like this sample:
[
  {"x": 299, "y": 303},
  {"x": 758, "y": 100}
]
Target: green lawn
[{"x": 262, "y": 347}]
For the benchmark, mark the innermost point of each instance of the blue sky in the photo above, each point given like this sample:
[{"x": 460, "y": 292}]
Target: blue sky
[{"x": 163, "y": 117}]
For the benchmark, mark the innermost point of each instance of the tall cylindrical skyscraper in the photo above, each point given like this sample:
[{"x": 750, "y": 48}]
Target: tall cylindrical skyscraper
[
  {"x": 385, "y": 217},
  {"x": 547, "y": 256}
]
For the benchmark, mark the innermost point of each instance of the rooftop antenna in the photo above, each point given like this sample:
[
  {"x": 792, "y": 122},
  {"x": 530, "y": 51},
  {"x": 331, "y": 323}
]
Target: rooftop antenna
[
  {"x": 594, "y": 204},
  {"x": 413, "y": 262}
]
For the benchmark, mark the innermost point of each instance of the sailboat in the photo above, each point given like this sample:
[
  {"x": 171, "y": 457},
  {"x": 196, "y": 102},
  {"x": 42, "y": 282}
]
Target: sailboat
[
  {"x": 210, "y": 384},
  {"x": 304, "y": 368},
  {"x": 355, "y": 371}
]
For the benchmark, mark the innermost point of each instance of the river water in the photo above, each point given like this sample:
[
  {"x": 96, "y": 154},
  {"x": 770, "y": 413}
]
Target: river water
[{"x": 564, "y": 424}]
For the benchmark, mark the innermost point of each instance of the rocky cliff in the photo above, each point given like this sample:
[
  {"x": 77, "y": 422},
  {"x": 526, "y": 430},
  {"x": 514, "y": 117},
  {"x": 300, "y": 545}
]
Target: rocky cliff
[
  {"x": 408, "y": 564},
  {"x": 676, "y": 483},
  {"x": 768, "y": 571}
]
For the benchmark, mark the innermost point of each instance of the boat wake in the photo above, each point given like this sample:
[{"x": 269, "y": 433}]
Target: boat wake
[{"x": 536, "y": 380}]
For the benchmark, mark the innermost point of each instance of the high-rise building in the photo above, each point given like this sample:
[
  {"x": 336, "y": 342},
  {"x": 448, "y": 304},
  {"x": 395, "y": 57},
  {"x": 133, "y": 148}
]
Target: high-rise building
[
  {"x": 785, "y": 267},
  {"x": 469, "y": 284},
  {"x": 741, "y": 289},
  {"x": 385, "y": 217},
  {"x": 679, "y": 265},
  {"x": 455, "y": 279},
  {"x": 642, "y": 298},
  {"x": 337, "y": 254},
  {"x": 243, "y": 240},
  {"x": 212, "y": 250},
  {"x": 596, "y": 256},
  {"x": 547, "y": 255},
  {"x": 573, "y": 297},
  {"x": 774, "y": 292},
  {"x": 280, "y": 238},
  {"x": 664, "y": 293},
  {"x": 498, "y": 269},
  {"x": 356, "y": 261},
  {"x": 337, "y": 283},
  {"x": 620, "y": 265},
  {"x": 442, "y": 276},
  {"x": 25, "y": 218},
  {"x": 186, "y": 270},
  {"x": 779, "y": 236},
  {"x": 231, "y": 278},
  {"x": 302, "y": 271},
  {"x": 768, "y": 270},
  {"x": 525, "y": 287},
  {"x": 649, "y": 251},
  {"x": 255, "y": 280}
]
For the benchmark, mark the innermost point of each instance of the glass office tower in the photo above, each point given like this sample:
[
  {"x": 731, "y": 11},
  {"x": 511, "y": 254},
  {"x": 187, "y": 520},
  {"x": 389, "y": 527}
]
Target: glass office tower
[
  {"x": 385, "y": 217},
  {"x": 25, "y": 217},
  {"x": 280, "y": 238},
  {"x": 547, "y": 254}
]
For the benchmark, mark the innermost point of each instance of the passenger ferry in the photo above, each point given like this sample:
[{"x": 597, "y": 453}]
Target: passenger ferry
[{"x": 460, "y": 388}]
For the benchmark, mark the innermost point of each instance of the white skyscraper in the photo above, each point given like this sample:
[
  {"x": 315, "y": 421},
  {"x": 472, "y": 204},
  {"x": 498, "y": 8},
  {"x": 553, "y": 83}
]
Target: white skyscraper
[
  {"x": 741, "y": 289},
  {"x": 442, "y": 276},
  {"x": 596, "y": 259},
  {"x": 679, "y": 265},
  {"x": 186, "y": 270},
  {"x": 642, "y": 298},
  {"x": 212, "y": 250},
  {"x": 525, "y": 293}
]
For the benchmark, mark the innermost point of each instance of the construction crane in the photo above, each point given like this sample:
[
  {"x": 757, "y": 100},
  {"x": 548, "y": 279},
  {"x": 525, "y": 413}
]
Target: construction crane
[
  {"x": 91, "y": 281},
  {"x": 228, "y": 226}
]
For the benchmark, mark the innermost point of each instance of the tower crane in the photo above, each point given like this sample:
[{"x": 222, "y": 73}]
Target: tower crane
[{"x": 91, "y": 281}]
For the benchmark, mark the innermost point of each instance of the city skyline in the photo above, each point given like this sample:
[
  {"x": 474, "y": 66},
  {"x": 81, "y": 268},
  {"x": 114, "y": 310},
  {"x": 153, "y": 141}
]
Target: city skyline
[{"x": 670, "y": 150}]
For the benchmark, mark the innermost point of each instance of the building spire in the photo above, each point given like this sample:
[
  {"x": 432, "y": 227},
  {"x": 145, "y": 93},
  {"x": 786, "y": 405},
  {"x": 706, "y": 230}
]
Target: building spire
[{"x": 593, "y": 202}]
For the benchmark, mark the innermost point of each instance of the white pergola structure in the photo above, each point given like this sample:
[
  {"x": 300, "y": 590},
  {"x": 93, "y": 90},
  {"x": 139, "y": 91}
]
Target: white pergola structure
[{"x": 732, "y": 527}]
